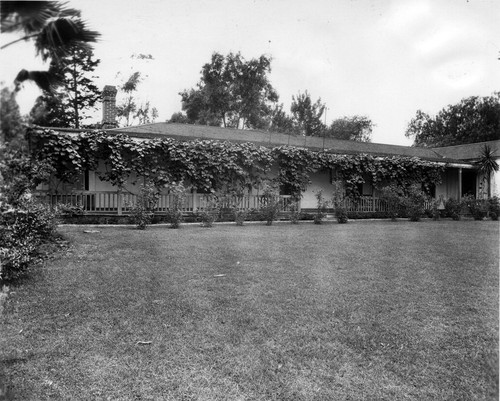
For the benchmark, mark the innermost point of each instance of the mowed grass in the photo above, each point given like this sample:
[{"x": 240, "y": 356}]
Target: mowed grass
[{"x": 373, "y": 310}]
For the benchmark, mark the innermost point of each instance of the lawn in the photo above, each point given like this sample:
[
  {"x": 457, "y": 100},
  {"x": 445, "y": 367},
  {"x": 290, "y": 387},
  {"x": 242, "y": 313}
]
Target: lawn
[{"x": 372, "y": 310}]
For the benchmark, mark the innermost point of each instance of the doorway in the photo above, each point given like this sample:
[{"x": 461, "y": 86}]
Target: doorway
[{"x": 469, "y": 178}]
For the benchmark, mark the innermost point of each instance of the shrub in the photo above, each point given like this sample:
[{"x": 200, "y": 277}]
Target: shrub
[
  {"x": 240, "y": 215},
  {"x": 270, "y": 203},
  {"x": 392, "y": 197},
  {"x": 413, "y": 202},
  {"x": 321, "y": 207},
  {"x": 208, "y": 215},
  {"x": 23, "y": 229},
  {"x": 453, "y": 208},
  {"x": 434, "y": 212},
  {"x": 68, "y": 210},
  {"x": 478, "y": 208},
  {"x": 341, "y": 214},
  {"x": 178, "y": 195},
  {"x": 494, "y": 207},
  {"x": 206, "y": 218},
  {"x": 405, "y": 202},
  {"x": 142, "y": 212},
  {"x": 295, "y": 213}
]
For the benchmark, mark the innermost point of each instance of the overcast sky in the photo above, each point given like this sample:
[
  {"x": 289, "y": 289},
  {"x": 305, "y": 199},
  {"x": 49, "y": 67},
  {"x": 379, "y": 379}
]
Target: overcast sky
[{"x": 384, "y": 59}]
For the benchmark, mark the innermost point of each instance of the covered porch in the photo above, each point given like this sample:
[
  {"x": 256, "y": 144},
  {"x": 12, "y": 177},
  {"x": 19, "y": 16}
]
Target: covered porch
[{"x": 121, "y": 202}]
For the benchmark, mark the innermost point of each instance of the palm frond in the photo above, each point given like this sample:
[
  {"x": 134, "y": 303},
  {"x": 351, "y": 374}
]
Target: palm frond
[
  {"x": 45, "y": 80},
  {"x": 487, "y": 163},
  {"x": 60, "y": 35},
  {"x": 31, "y": 16}
]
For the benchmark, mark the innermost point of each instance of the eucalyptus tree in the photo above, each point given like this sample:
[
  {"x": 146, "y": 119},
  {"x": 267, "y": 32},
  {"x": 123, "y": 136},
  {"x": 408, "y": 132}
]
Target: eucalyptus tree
[
  {"x": 232, "y": 92},
  {"x": 307, "y": 114}
]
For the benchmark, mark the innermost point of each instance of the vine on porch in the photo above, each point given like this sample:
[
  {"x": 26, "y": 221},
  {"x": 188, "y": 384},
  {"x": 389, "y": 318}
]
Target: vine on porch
[{"x": 212, "y": 165}]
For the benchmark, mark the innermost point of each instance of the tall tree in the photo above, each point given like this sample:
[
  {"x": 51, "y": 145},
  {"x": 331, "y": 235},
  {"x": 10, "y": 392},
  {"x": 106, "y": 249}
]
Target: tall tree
[
  {"x": 474, "y": 119},
  {"x": 282, "y": 122},
  {"x": 49, "y": 111},
  {"x": 355, "y": 128},
  {"x": 307, "y": 114},
  {"x": 67, "y": 105},
  {"x": 232, "y": 92},
  {"x": 54, "y": 29}
]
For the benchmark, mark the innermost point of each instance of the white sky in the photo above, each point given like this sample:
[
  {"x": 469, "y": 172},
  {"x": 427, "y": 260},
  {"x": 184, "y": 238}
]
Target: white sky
[{"x": 384, "y": 59}]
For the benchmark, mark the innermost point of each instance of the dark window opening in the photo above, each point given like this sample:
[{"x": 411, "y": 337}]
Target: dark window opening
[
  {"x": 286, "y": 189},
  {"x": 203, "y": 191},
  {"x": 86, "y": 180},
  {"x": 365, "y": 189},
  {"x": 469, "y": 183},
  {"x": 429, "y": 190}
]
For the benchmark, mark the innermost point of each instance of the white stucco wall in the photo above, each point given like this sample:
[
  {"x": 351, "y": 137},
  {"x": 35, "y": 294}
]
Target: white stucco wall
[
  {"x": 319, "y": 180},
  {"x": 495, "y": 184}
]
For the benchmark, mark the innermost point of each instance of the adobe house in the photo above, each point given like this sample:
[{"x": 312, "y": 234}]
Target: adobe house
[{"x": 460, "y": 175}]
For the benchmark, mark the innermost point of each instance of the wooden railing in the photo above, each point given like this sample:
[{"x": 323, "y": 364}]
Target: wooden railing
[
  {"x": 122, "y": 202},
  {"x": 365, "y": 204}
]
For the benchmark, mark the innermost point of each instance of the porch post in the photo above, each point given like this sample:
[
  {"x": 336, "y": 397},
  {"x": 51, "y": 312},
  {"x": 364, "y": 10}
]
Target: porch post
[
  {"x": 119, "y": 199},
  {"x": 460, "y": 183},
  {"x": 194, "y": 194}
]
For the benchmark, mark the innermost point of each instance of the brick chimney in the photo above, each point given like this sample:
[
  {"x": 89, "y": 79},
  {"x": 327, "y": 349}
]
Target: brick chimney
[{"x": 109, "y": 107}]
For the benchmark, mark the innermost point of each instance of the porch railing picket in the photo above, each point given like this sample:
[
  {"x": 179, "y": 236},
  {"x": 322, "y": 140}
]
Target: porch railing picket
[{"x": 116, "y": 202}]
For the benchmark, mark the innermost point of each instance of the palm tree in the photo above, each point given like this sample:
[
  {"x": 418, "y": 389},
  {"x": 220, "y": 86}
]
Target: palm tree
[
  {"x": 487, "y": 165},
  {"x": 54, "y": 28}
]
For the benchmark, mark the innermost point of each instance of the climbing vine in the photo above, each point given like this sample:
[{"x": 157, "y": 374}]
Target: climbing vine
[{"x": 213, "y": 165}]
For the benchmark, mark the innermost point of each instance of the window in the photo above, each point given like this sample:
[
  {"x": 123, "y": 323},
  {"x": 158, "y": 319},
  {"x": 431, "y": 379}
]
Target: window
[
  {"x": 365, "y": 189},
  {"x": 285, "y": 189},
  {"x": 85, "y": 181},
  {"x": 201, "y": 191},
  {"x": 429, "y": 190}
]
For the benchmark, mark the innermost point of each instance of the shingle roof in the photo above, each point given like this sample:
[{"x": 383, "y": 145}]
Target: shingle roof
[
  {"x": 458, "y": 154},
  {"x": 265, "y": 138},
  {"x": 470, "y": 151}
]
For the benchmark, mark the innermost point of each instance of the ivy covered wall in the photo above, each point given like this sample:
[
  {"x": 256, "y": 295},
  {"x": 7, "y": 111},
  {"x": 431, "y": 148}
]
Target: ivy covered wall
[{"x": 212, "y": 165}]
